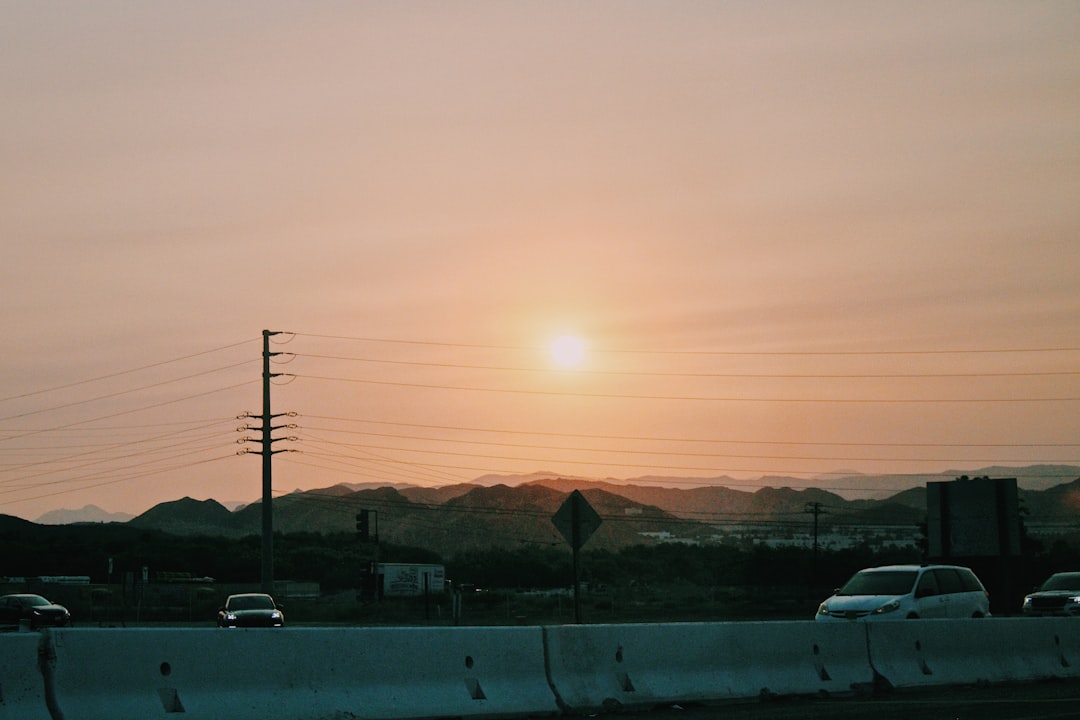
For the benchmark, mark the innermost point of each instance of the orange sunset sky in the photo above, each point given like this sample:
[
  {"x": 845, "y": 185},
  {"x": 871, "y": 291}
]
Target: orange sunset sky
[{"x": 791, "y": 238}]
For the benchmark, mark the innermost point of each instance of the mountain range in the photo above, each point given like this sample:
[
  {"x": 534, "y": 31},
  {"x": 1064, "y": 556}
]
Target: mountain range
[{"x": 507, "y": 510}]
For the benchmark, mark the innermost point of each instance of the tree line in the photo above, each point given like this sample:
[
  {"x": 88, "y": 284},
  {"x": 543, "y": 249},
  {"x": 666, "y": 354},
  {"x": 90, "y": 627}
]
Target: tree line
[{"x": 107, "y": 553}]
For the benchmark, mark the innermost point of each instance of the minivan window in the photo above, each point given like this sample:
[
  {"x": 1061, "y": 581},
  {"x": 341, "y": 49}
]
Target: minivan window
[
  {"x": 927, "y": 586},
  {"x": 949, "y": 580},
  {"x": 889, "y": 582},
  {"x": 971, "y": 583}
]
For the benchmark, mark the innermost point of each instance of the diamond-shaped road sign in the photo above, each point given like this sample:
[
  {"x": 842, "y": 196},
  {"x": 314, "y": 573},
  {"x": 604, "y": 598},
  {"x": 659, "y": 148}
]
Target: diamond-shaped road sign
[{"x": 576, "y": 520}]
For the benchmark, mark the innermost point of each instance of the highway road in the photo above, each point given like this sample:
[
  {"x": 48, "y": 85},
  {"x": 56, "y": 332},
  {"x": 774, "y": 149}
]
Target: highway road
[{"x": 1051, "y": 700}]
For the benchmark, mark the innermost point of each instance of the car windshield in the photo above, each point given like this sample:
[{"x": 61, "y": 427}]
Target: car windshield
[
  {"x": 251, "y": 602},
  {"x": 1062, "y": 581},
  {"x": 37, "y": 601},
  {"x": 880, "y": 582}
]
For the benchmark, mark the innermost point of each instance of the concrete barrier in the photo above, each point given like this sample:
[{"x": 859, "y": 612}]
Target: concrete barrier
[
  {"x": 405, "y": 673},
  {"x": 915, "y": 653},
  {"x": 22, "y": 686},
  {"x": 1066, "y": 642},
  {"x": 604, "y": 667},
  {"x": 300, "y": 673}
]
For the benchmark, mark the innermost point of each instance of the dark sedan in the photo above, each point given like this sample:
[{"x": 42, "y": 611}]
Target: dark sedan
[
  {"x": 35, "y": 609},
  {"x": 250, "y": 610}
]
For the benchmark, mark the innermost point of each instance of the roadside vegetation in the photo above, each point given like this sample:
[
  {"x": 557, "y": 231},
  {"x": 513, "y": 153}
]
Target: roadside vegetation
[{"x": 187, "y": 577}]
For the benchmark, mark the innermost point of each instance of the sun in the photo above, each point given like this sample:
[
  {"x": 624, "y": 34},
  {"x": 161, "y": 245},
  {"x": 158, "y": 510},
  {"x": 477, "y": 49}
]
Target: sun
[{"x": 568, "y": 351}]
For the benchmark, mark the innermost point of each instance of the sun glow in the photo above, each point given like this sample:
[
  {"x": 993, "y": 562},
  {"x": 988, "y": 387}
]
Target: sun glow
[{"x": 568, "y": 351}]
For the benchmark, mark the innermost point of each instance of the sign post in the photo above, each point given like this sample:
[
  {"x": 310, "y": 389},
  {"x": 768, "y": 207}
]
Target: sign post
[{"x": 577, "y": 521}]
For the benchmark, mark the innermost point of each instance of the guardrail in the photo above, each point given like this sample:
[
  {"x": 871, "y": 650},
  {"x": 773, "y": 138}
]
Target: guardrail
[{"x": 384, "y": 673}]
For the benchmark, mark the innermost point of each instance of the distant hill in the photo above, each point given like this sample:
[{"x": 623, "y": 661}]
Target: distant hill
[
  {"x": 9, "y": 524},
  {"x": 847, "y": 484},
  {"x": 186, "y": 517},
  {"x": 88, "y": 513},
  {"x": 880, "y": 487},
  {"x": 470, "y": 516},
  {"x": 514, "y": 480},
  {"x": 484, "y": 513},
  {"x": 914, "y": 498},
  {"x": 706, "y": 503},
  {"x": 1061, "y": 502},
  {"x": 437, "y": 495},
  {"x": 1032, "y": 477}
]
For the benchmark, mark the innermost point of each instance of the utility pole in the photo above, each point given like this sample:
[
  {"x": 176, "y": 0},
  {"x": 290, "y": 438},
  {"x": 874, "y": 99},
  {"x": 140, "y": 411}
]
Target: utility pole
[
  {"x": 816, "y": 509},
  {"x": 267, "y": 441},
  {"x": 365, "y": 535}
]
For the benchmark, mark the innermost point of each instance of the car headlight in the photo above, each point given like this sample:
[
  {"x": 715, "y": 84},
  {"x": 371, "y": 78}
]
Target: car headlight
[
  {"x": 1075, "y": 599},
  {"x": 1027, "y": 603},
  {"x": 275, "y": 615},
  {"x": 823, "y": 609},
  {"x": 888, "y": 607},
  {"x": 230, "y": 616}
]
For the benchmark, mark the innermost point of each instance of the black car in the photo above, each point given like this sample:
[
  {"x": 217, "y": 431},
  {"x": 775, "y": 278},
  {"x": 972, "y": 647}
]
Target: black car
[
  {"x": 1059, "y": 595},
  {"x": 34, "y": 608},
  {"x": 250, "y": 610}
]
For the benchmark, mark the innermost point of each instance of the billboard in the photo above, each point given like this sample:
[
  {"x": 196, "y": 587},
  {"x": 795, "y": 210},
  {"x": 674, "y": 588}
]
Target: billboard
[
  {"x": 973, "y": 517},
  {"x": 411, "y": 579}
]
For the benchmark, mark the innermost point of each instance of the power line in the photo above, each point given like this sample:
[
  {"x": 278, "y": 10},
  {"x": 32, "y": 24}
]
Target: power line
[
  {"x": 328, "y": 452},
  {"x": 632, "y": 451},
  {"x": 720, "y": 353},
  {"x": 131, "y": 411},
  {"x": 112, "y": 458},
  {"x": 126, "y": 372},
  {"x": 382, "y": 461},
  {"x": 654, "y": 438},
  {"x": 690, "y": 481},
  {"x": 716, "y": 375},
  {"x": 693, "y": 398},
  {"x": 116, "y": 480},
  {"x": 118, "y": 393},
  {"x": 112, "y": 471}
]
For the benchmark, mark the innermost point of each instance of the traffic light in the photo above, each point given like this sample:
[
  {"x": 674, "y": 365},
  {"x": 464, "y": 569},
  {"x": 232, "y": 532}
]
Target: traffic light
[{"x": 363, "y": 525}]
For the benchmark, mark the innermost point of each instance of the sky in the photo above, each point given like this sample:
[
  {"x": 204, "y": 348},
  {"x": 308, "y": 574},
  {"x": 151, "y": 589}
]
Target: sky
[{"x": 792, "y": 238}]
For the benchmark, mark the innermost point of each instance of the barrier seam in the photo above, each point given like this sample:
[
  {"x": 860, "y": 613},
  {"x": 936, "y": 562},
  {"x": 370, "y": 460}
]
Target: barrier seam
[
  {"x": 881, "y": 683},
  {"x": 547, "y": 670},
  {"x": 46, "y": 665}
]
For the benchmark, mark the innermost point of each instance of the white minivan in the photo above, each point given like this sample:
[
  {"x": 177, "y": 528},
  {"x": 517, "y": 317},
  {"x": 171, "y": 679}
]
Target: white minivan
[{"x": 896, "y": 592}]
